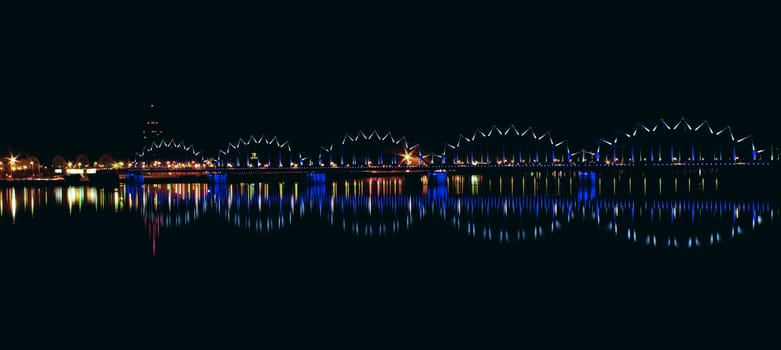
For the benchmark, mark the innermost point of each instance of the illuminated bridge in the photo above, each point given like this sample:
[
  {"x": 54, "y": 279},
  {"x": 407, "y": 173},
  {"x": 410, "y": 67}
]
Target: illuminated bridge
[
  {"x": 646, "y": 145},
  {"x": 679, "y": 142}
]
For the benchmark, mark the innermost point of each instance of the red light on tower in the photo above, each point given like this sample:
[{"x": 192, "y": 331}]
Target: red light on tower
[{"x": 151, "y": 131}]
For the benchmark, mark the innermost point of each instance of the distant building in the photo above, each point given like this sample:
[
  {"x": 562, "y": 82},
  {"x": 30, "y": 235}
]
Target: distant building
[{"x": 152, "y": 130}]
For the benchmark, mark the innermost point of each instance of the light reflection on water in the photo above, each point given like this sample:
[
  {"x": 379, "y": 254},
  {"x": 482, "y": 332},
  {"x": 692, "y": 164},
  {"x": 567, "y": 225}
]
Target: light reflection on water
[{"x": 502, "y": 209}]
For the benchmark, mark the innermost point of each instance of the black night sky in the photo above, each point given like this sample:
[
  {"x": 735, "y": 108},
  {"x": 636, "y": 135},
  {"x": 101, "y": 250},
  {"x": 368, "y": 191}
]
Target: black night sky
[
  {"x": 131, "y": 256},
  {"x": 75, "y": 81}
]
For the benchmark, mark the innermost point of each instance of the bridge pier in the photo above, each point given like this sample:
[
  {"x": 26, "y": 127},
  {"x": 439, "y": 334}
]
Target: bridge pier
[
  {"x": 437, "y": 185},
  {"x": 134, "y": 178},
  {"x": 217, "y": 178},
  {"x": 437, "y": 178},
  {"x": 316, "y": 178}
]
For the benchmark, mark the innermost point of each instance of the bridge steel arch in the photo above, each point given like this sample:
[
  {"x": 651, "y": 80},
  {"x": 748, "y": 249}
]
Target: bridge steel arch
[
  {"x": 373, "y": 149},
  {"x": 81, "y": 161},
  {"x": 105, "y": 160},
  {"x": 59, "y": 162},
  {"x": 678, "y": 142},
  {"x": 508, "y": 146},
  {"x": 168, "y": 154},
  {"x": 259, "y": 152}
]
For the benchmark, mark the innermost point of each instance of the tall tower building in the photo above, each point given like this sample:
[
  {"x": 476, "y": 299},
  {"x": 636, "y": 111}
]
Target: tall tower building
[{"x": 152, "y": 131}]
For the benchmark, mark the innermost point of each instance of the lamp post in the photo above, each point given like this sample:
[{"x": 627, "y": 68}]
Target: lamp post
[{"x": 13, "y": 164}]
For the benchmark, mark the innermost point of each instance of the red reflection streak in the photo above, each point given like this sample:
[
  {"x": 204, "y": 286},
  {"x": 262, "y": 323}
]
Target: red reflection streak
[{"x": 152, "y": 226}]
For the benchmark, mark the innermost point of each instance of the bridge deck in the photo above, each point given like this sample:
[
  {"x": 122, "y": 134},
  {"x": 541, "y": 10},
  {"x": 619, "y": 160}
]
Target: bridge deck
[{"x": 429, "y": 168}]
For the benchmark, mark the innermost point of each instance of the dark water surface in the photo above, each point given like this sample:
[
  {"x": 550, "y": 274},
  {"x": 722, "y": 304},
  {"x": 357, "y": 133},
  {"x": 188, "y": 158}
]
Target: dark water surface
[{"x": 482, "y": 246}]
